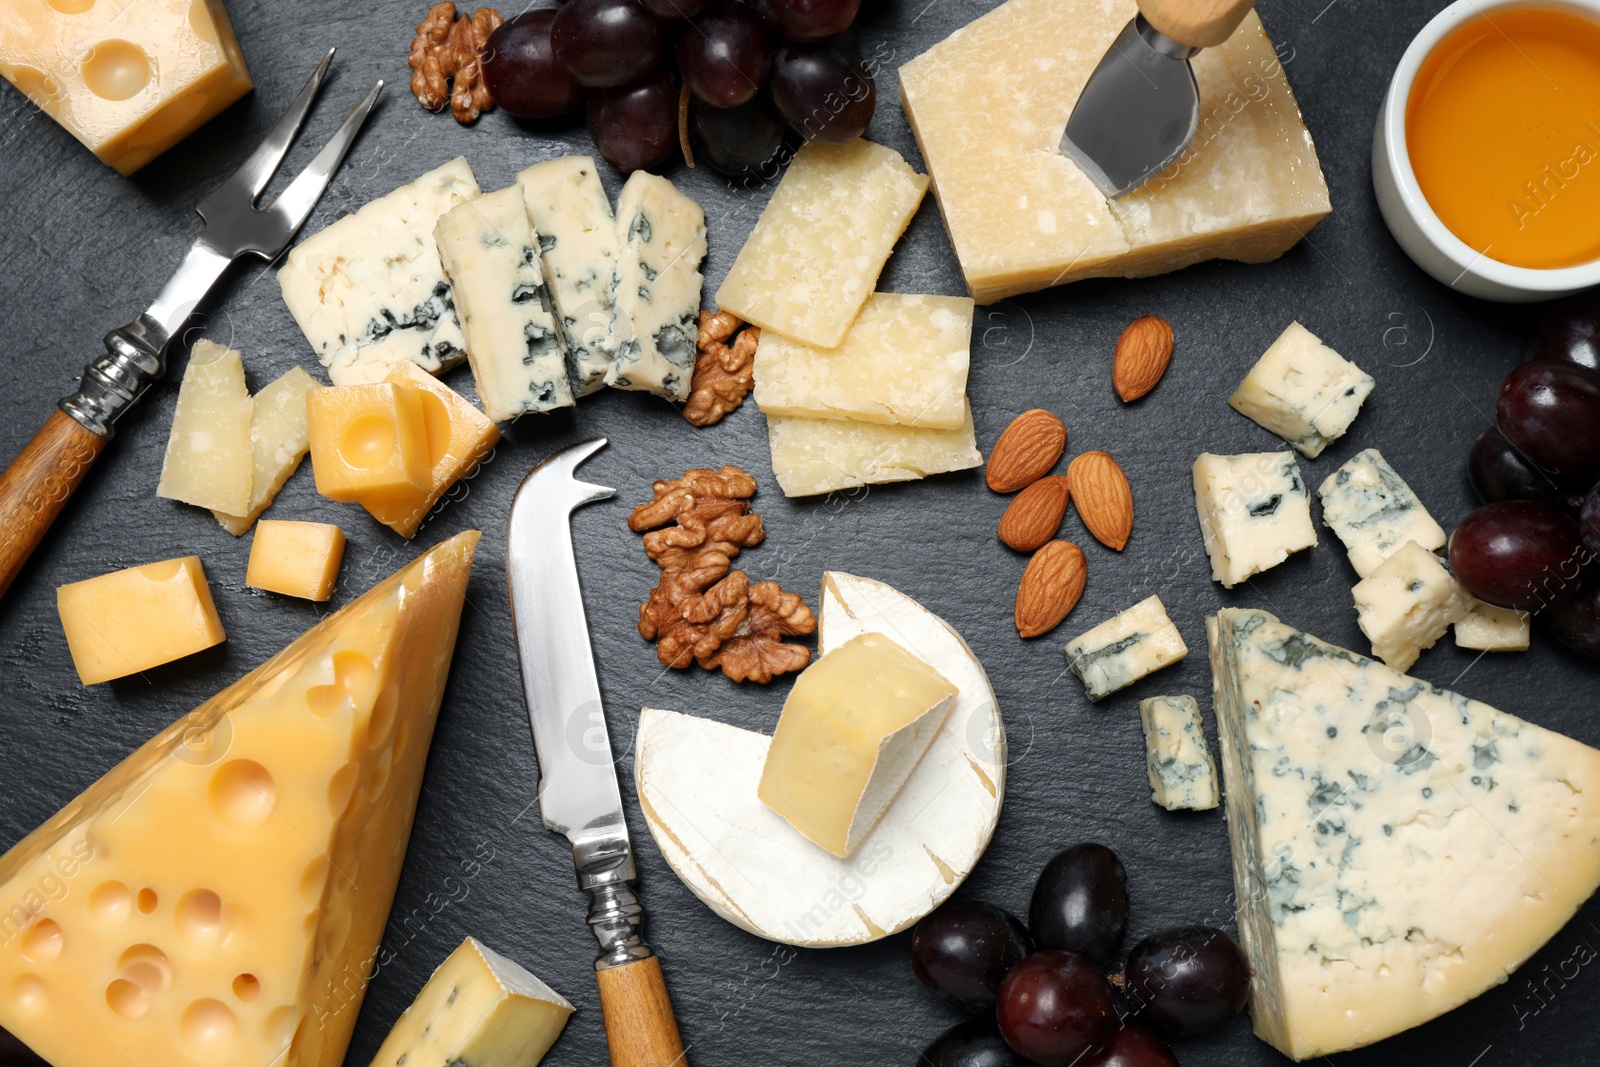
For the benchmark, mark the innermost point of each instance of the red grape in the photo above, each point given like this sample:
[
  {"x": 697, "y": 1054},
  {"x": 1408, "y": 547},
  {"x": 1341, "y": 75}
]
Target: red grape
[
  {"x": 1576, "y": 623},
  {"x": 1187, "y": 980},
  {"x": 1518, "y": 554},
  {"x": 975, "y": 1043},
  {"x": 635, "y": 127},
  {"x": 607, "y": 43},
  {"x": 725, "y": 55},
  {"x": 1499, "y": 472},
  {"x": 676, "y": 9},
  {"x": 1570, "y": 331},
  {"x": 824, "y": 92},
  {"x": 1080, "y": 902},
  {"x": 1055, "y": 1008},
  {"x": 808, "y": 20},
  {"x": 738, "y": 141},
  {"x": 521, "y": 72},
  {"x": 965, "y": 949},
  {"x": 1551, "y": 412},
  {"x": 1133, "y": 1046}
]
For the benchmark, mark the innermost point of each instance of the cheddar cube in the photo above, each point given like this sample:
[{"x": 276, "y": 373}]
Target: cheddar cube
[
  {"x": 368, "y": 442},
  {"x": 295, "y": 558},
  {"x": 131, "y": 620}
]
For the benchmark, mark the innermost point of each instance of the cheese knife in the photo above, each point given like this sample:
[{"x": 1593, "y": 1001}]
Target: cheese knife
[
  {"x": 578, "y": 793},
  {"x": 1140, "y": 108}
]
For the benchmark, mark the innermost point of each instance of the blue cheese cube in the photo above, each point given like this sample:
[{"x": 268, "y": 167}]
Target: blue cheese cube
[
  {"x": 664, "y": 240},
  {"x": 1486, "y": 628},
  {"x": 1125, "y": 648},
  {"x": 1374, "y": 512},
  {"x": 1182, "y": 774},
  {"x": 1254, "y": 512},
  {"x": 1407, "y": 604},
  {"x": 1303, "y": 391}
]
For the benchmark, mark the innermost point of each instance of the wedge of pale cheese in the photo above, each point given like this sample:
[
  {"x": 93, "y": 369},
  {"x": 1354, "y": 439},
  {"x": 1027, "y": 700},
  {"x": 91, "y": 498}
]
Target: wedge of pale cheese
[
  {"x": 988, "y": 106},
  {"x": 278, "y": 442},
  {"x": 209, "y": 460},
  {"x": 811, "y": 456}
]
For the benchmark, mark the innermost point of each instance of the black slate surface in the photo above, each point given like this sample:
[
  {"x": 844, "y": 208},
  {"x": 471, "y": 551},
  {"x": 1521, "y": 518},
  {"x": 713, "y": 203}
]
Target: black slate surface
[{"x": 86, "y": 249}]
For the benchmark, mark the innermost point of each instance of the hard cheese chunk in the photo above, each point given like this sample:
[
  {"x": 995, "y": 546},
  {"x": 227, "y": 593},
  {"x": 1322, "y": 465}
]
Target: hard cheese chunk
[
  {"x": 816, "y": 252},
  {"x": 369, "y": 292},
  {"x": 1397, "y": 849},
  {"x": 491, "y": 256},
  {"x": 218, "y": 898},
  {"x": 368, "y": 442},
  {"x": 904, "y": 362},
  {"x": 208, "y": 461},
  {"x": 1487, "y": 628},
  {"x": 1177, "y": 758},
  {"x": 1022, "y": 216},
  {"x": 658, "y": 290},
  {"x": 1125, "y": 648},
  {"x": 1254, "y": 512},
  {"x": 853, "y": 729},
  {"x": 278, "y": 442},
  {"x": 479, "y": 1009},
  {"x": 1374, "y": 511},
  {"x": 1407, "y": 604},
  {"x": 134, "y": 619},
  {"x": 295, "y": 558},
  {"x": 811, "y": 456},
  {"x": 582, "y": 252},
  {"x": 1303, "y": 391},
  {"x": 128, "y": 87}
]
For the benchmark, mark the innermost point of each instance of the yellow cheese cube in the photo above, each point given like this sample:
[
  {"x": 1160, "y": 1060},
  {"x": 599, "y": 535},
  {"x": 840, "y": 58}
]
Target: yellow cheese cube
[
  {"x": 853, "y": 729},
  {"x": 129, "y": 82},
  {"x": 459, "y": 437},
  {"x": 368, "y": 442},
  {"x": 295, "y": 558},
  {"x": 134, "y": 619}
]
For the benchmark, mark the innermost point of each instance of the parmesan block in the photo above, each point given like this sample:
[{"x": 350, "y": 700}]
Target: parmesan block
[
  {"x": 811, "y": 456},
  {"x": 208, "y": 461},
  {"x": 816, "y": 252},
  {"x": 658, "y": 291},
  {"x": 278, "y": 442},
  {"x": 904, "y": 362},
  {"x": 988, "y": 106}
]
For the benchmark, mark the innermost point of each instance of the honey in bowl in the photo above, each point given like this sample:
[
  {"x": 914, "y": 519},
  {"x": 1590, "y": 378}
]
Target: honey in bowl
[{"x": 1503, "y": 130}]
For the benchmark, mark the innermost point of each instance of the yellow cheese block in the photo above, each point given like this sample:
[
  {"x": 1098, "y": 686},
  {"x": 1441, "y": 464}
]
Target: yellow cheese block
[
  {"x": 134, "y": 619},
  {"x": 988, "y": 105},
  {"x": 811, "y": 456},
  {"x": 459, "y": 437},
  {"x": 127, "y": 81},
  {"x": 208, "y": 462},
  {"x": 217, "y": 899},
  {"x": 278, "y": 442},
  {"x": 295, "y": 558},
  {"x": 368, "y": 442}
]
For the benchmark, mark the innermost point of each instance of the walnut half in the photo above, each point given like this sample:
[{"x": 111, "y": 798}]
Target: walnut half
[
  {"x": 446, "y": 60},
  {"x": 723, "y": 373}
]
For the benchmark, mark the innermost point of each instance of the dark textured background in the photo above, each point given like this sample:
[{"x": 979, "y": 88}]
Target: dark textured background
[{"x": 86, "y": 249}]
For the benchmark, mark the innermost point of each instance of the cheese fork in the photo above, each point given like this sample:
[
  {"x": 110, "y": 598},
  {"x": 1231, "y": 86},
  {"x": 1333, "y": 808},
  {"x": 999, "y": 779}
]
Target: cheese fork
[{"x": 38, "y": 483}]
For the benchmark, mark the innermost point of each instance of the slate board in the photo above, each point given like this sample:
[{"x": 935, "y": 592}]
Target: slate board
[{"x": 86, "y": 249}]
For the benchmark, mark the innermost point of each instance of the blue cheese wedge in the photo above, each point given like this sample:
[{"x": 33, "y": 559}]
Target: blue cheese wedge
[
  {"x": 1183, "y": 776},
  {"x": 664, "y": 240},
  {"x": 581, "y": 252},
  {"x": 1303, "y": 391},
  {"x": 1254, "y": 512},
  {"x": 1125, "y": 648},
  {"x": 1373, "y": 511},
  {"x": 369, "y": 292},
  {"x": 1407, "y": 604},
  {"x": 1397, "y": 849},
  {"x": 1486, "y": 628},
  {"x": 491, "y": 255}
]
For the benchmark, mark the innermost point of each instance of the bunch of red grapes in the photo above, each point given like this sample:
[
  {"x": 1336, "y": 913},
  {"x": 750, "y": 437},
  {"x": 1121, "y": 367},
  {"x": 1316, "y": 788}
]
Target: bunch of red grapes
[
  {"x": 755, "y": 69},
  {"x": 1535, "y": 543},
  {"x": 1041, "y": 990}
]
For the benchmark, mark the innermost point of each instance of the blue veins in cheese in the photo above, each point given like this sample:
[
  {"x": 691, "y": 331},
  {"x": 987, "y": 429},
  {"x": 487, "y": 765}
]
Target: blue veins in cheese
[
  {"x": 664, "y": 240},
  {"x": 1398, "y": 849},
  {"x": 1125, "y": 648},
  {"x": 369, "y": 291},
  {"x": 1407, "y": 604},
  {"x": 1183, "y": 776},
  {"x": 1374, "y": 512},
  {"x": 1254, "y": 512},
  {"x": 1303, "y": 391}
]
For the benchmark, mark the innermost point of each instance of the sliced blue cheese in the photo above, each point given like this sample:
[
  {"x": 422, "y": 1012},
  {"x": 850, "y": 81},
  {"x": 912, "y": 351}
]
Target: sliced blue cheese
[
  {"x": 664, "y": 239},
  {"x": 1486, "y": 628},
  {"x": 1254, "y": 512},
  {"x": 1303, "y": 391},
  {"x": 581, "y": 251},
  {"x": 1125, "y": 648},
  {"x": 1373, "y": 511},
  {"x": 1177, "y": 758},
  {"x": 1397, "y": 849},
  {"x": 491, "y": 256},
  {"x": 369, "y": 292},
  {"x": 1407, "y": 604}
]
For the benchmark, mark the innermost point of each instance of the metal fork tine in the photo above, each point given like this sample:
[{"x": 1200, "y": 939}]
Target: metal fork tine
[
  {"x": 293, "y": 207},
  {"x": 256, "y": 171}
]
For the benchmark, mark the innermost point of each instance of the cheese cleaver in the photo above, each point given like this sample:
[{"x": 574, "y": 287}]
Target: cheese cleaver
[{"x": 1140, "y": 108}]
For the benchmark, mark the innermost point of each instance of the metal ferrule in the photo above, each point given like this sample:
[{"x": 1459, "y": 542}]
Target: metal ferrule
[
  {"x": 113, "y": 383},
  {"x": 606, "y": 873}
]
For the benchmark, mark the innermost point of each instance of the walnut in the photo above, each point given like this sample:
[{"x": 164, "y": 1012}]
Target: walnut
[
  {"x": 723, "y": 373},
  {"x": 445, "y": 51}
]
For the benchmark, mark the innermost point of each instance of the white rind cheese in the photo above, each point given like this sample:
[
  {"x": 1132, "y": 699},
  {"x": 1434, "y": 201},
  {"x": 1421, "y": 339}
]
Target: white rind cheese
[
  {"x": 811, "y": 456},
  {"x": 1177, "y": 758},
  {"x": 1407, "y": 604},
  {"x": 1303, "y": 391},
  {"x": 1254, "y": 512},
  {"x": 1374, "y": 512},
  {"x": 1125, "y": 648},
  {"x": 1487, "y": 628},
  {"x": 369, "y": 292},
  {"x": 209, "y": 462},
  {"x": 1397, "y": 848},
  {"x": 658, "y": 289}
]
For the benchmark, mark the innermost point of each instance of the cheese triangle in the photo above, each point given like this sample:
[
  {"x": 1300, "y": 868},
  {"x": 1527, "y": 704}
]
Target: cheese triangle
[
  {"x": 218, "y": 897},
  {"x": 1397, "y": 848}
]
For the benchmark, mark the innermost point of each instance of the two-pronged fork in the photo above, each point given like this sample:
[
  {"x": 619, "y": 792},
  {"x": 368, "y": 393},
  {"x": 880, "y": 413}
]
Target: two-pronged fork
[{"x": 45, "y": 474}]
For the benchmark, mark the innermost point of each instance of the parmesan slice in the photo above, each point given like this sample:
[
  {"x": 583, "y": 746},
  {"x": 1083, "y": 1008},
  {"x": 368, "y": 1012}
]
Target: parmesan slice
[
  {"x": 208, "y": 461},
  {"x": 811, "y": 456}
]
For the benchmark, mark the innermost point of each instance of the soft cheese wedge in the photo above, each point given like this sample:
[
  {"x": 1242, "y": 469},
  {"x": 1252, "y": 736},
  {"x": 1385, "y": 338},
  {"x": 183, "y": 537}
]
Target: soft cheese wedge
[
  {"x": 698, "y": 779},
  {"x": 219, "y": 896},
  {"x": 1397, "y": 848}
]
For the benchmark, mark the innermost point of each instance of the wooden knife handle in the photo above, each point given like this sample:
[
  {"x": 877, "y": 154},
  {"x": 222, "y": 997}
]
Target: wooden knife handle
[
  {"x": 1196, "y": 23},
  {"x": 37, "y": 485},
  {"x": 640, "y": 1027}
]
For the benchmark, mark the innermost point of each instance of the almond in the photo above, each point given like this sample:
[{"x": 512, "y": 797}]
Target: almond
[
  {"x": 1050, "y": 587},
  {"x": 1143, "y": 352},
  {"x": 1102, "y": 496},
  {"x": 1026, "y": 451},
  {"x": 1035, "y": 514}
]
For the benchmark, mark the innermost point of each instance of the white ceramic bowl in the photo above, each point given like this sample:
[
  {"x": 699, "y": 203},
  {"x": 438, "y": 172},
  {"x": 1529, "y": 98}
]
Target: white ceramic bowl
[{"x": 1412, "y": 221}]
